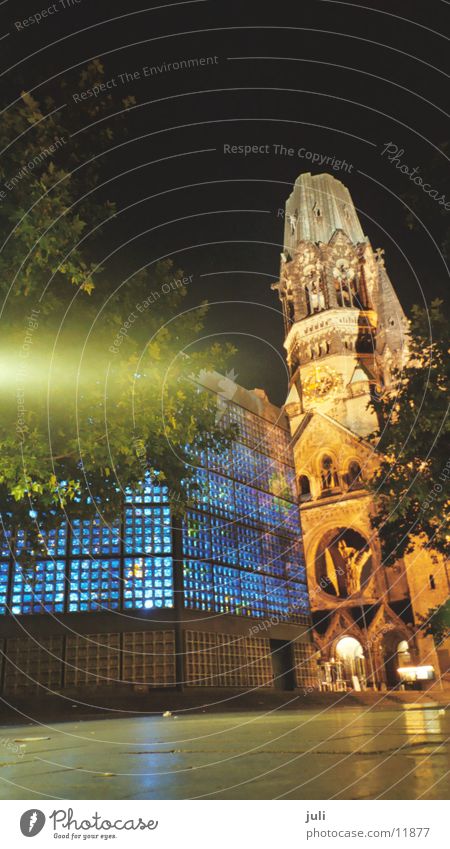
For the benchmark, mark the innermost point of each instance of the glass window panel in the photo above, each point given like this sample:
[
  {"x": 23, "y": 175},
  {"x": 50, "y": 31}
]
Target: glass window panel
[
  {"x": 250, "y": 551},
  {"x": 223, "y": 541},
  {"x": 4, "y": 572},
  {"x": 253, "y": 594},
  {"x": 221, "y": 495},
  {"x": 227, "y": 590},
  {"x": 148, "y": 530},
  {"x": 148, "y": 582},
  {"x": 94, "y": 584},
  {"x": 198, "y": 585},
  {"x": 196, "y": 536},
  {"x": 39, "y": 590},
  {"x": 93, "y": 537}
]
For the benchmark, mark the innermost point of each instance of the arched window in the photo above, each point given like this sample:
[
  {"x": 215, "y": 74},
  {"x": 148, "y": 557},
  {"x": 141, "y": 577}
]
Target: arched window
[
  {"x": 304, "y": 488},
  {"x": 328, "y": 474},
  {"x": 346, "y": 284},
  {"x": 354, "y": 479}
]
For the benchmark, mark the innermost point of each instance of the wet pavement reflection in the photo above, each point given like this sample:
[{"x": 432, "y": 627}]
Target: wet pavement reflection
[{"x": 334, "y": 753}]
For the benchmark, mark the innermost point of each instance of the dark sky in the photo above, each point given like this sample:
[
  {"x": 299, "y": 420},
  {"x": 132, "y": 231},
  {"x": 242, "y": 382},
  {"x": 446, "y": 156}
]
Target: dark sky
[{"x": 338, "y": 79}]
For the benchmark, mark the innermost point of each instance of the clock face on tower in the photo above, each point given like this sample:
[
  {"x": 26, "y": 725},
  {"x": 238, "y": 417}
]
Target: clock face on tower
[{"x": 319, "y": 382}]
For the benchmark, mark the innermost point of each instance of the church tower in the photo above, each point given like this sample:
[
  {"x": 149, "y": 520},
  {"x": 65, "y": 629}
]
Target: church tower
[
  {"x": 344, "y": 326},
  {"x": 344, "y": 332}
]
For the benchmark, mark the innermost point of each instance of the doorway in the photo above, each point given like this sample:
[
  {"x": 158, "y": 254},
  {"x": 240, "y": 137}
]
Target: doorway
[
  {"x": 283, "y": 665},
  {"x": 349, "y": 652}
]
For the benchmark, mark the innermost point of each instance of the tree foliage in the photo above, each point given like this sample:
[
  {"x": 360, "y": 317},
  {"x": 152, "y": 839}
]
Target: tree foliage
[
  {"x": 437, "y": 622},
  {"x": 98, "y": 374},
  {"x": 411, "y": 484}
]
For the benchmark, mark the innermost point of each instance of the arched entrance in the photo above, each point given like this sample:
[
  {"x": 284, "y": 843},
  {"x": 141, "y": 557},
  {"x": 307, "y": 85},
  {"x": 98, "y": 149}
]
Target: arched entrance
[
  {"x": 343, "y": 562},
  {"x": 395, "y": 653},
  {"x": 349, "y": 652}
]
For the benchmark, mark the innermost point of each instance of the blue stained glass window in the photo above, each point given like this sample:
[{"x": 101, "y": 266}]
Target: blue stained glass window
[
  {"x": 243, "y": 463},
  {"x": 5, "y": 544},
  {"x": 292, "y": 519},
  {"x": 4, "y": 572},
  {"x": 53, "y": 541},
  {"x": 94, "y": 585},
  {"x": 253, "y": 594},
  {"x": 227, "y": 589},
  {"x": 148, "y": 530},
  {"x": 295, "y": 563},
  {"x": 149, "y": 493},
  {"x": 250, "y": 553},
  {"x": 223, "y": 541},
  {"x": 221, "y": 495},
  {"x": 40, "y": 590},
  {"x": 94, "y": 537},
  {"x": 199, "y": 489},
  {"x": 220, "y": 461},
  {"x": 269, "y": 510},
  {"x": 148, "y": 582},
  {"x": 263, "y": 470},
  {"x": 298, "y": 601},
  {"x": 196, "y": 536},
  {"x": 247, "y": 506},
  {"x": 273, "y": 548},
  {"x": 198, "y": 585},
  {"x": 277, "y": 599}
]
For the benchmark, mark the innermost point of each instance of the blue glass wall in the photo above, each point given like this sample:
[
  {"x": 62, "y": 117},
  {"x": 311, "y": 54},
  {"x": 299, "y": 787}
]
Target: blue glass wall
[
  {"x": 242, "y": 552},
  {"x": 241, "y": 542}
]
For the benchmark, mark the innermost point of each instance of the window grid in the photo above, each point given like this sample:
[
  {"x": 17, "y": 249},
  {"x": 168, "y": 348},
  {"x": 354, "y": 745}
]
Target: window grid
[
  {"x": 4, "y": 575},
  {"x": 92, "y": 537},
  {"x": 40, "y": 590},
  {"x": 147, "y": 530},
  {"x": 148, "y": 582},
  {"x": 94, "y": 584},
  {"x": 241, "y": 547}
]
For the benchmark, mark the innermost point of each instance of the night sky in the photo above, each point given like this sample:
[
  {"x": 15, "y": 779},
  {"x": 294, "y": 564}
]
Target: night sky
[{"x": 338, "y": 79}]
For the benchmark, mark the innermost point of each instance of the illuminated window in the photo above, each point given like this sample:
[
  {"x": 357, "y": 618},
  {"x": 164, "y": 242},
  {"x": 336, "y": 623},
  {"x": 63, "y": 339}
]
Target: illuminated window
[
  {"x": 241, "y": 547},
  {"x": 148, "y": 582},
  {"x": 39, "y": 589},
  {"x": 148, "y": 530},
  {"x": 253, "y": 594},
  {"x": 221, "y": 495},
  {"x": 250, "y": 551},
  {"x": 4, "y": 572},
  {"x": 94, "y": 585},
  {"x": 196, "y": 536},
  {"x": 198, "y": 585},
  {"x": 227, "y": 589},
  {"x": 223, "y": 541},
  {"x": 94, "y": 537}
]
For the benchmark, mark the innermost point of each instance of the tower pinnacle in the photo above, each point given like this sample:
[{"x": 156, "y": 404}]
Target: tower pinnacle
[
  {"x": 344, "y": 326},
  {"x": 317, "y": 207}
]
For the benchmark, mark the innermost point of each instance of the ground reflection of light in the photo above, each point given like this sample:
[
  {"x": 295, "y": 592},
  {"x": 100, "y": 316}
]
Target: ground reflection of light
[{"x": 422, "y": 722}]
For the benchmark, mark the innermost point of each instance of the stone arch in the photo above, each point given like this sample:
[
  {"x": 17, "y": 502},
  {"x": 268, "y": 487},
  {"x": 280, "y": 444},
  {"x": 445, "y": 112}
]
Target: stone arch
[
  {"x": 353, "y": 474},
  {"x": 343, "y": 562},
  {"x": 327, "y": 470},
  {"x": 304, "y": 487},
  {"x": 386, "y": 632}
]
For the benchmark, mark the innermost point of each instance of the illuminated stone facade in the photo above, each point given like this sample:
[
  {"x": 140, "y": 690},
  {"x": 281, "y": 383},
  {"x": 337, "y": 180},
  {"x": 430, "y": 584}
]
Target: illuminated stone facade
[{"x": 344, "y": 332}]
